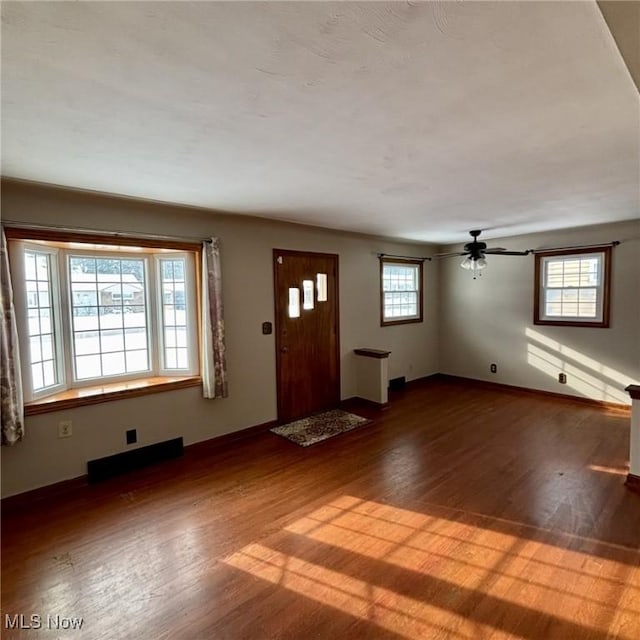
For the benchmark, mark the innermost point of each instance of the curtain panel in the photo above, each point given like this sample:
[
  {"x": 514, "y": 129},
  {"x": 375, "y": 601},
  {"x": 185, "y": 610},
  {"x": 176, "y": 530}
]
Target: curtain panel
[
  {"x": 10, "y": 378},
  {"x": 213, "y": 357}
]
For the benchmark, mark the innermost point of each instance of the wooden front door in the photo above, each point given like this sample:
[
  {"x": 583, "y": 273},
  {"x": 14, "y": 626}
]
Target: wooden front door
[{"x": 307, "y": 344}]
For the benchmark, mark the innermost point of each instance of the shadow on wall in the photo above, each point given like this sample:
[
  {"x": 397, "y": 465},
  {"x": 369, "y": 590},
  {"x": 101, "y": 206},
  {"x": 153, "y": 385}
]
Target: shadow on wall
[{"x": 587, "y": 376}]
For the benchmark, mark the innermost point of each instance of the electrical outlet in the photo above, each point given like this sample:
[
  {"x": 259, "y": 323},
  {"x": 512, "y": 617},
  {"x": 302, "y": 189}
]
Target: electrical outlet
[
  {"x": 65, "y": 429},
  {"x": 562, "y": 378},
  {"x": 494, "y": 368}
]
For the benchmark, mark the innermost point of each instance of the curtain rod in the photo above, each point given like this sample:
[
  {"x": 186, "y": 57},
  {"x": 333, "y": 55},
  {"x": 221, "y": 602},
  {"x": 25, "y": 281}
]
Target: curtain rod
[
  {"x": 390, "y": 255},
  {"x": 115, "y": 234},
  {"x": 615, "y": 243}
]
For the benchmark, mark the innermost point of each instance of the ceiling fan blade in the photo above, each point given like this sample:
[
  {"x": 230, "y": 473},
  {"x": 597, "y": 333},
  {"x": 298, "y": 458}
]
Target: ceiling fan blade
[
  {"x": 450, "y": 255},
  {"x": 494, "y": 249},
  {"x": 507, "y": 253}
]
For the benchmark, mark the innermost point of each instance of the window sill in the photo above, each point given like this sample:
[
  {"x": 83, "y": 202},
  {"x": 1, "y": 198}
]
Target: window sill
[
  {"x": 601, "y": 324},
  {"x": 107, "y": 392},
  {"x": 388, "y": 323}
]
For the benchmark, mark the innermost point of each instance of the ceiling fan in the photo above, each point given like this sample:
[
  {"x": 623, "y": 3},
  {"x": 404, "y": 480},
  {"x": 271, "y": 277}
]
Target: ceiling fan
[{"x": 475, "y": 252}]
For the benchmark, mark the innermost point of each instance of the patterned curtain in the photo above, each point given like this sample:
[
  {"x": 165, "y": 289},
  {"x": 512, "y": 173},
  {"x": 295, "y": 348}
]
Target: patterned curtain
[
  {"x": 214, "y": 363},
  {"x": 10, "y": 379}
]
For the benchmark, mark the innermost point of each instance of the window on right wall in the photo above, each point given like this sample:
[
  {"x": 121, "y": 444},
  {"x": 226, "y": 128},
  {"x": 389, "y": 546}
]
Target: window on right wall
[{"x": 572, "y": 287}]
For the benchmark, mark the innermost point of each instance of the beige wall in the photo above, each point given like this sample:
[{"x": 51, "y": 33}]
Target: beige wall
[
  {"x": 468, "y": 324},
  {"x": 491, "y": 320},
  {"x": 247, "y": 244}
]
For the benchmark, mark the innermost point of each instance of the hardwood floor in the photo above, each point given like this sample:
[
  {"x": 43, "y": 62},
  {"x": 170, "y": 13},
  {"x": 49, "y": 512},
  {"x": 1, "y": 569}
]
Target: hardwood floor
[{"x": 459, "y": 513}]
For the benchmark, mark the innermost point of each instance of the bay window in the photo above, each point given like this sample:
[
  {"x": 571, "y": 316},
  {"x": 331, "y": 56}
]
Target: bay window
[{"x": 94, "y": 313}]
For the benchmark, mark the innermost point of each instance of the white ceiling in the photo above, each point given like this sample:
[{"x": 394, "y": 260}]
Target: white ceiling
[{"x": 417, "y": 121}]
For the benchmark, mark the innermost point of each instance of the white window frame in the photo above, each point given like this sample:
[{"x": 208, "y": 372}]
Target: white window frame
[
  {"x": 190, "y": 313},
  {"x": 62, "y": 311},
  {"x": 70, "y": 355},
  {"x": 417, "y": 267},
  {"x": 17, "y": 250},
  {"x": 603, "y": 287}
]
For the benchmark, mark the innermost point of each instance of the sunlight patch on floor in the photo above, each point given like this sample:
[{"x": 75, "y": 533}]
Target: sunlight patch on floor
[
  {"x": 388, "y": 610},
  {"x": 453, "y": 565},
  {"x": 618, "y": 471}
]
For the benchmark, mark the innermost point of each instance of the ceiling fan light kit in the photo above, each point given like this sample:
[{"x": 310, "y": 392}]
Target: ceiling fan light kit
[{"x": 475, "y": 265}]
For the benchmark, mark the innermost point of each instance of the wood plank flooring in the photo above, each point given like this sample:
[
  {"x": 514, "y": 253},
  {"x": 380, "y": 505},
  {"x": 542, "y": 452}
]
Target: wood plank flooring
[{"x": 460, "y": 512}]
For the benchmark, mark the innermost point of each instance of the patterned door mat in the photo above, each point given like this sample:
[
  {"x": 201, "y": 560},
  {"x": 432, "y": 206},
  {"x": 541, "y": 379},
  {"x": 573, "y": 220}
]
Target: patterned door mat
[{"x": 308, "y": 431}]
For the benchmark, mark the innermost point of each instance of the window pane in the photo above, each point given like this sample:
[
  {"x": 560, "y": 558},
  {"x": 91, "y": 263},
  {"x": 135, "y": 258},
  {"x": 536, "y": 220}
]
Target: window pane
[
  {"x": 34, "y": 321},
  {"x": 183, "y": 358},
  {"x": 42, "y": 267},
  {"x": 32, "y": 294},
  {"x": 88, "y": 367},
  {"x": 86, "y": 342},
  {"x": 111, "y": 317},
  {"x": 107, "y": 295},
  {"x": 170, "y": 358},
  {"x": 112, "y": 340},
  {"x": 137, "y": 360},
  {"x": 108, "y": 266},
  {"x": 37, "y": 376},
  {"x": 43, "y": 294},
  {"x": 587, "y": 310},
  {"x": 135, "y": 317},
  {"x": 294, "y": 302},
  {"x": 321, "y": 284},
  {"x": 81, "y": 268},
  {"x": 38, "y": 288},
  {"x": 35, "y": 350},
  {"x": 135, "y": 339},
  {"x": 556, "y": 280},
  {"x": 587, "y": 295},
  {"x": 113, "y": 363},
  {"x": 169, "y": 314},
  {"x": 174, "y": 315},
  {"x": 45, "y": 321},
  {"x": 30, "y": 266},
  {"x": 46, "y": 342},
  {"x": 307, "y": 294},
  {"x": 85, "y": 318},
  {"x": 49, "y": 373}
]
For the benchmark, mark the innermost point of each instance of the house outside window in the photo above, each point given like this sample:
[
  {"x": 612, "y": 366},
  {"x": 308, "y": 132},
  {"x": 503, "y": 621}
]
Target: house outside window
[
  {"x": 400, "y": 291},
  {"x": 572, "y": 287}
]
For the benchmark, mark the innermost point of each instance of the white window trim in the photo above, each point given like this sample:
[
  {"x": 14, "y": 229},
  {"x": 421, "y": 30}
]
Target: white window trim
[
  {"x": 17, "y": 250},
  {"x": 190, "y": 313},
  {"x": 62, "y": 311},
  {"x": 70, "y": 356}
]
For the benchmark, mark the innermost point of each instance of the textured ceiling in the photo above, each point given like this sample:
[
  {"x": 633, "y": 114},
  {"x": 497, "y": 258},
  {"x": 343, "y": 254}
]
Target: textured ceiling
[{"x": 415, "y": 121}]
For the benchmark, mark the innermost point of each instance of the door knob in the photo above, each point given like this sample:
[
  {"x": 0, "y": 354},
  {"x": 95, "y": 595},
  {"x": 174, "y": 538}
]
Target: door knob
[{"x": 284, "y": 349}]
